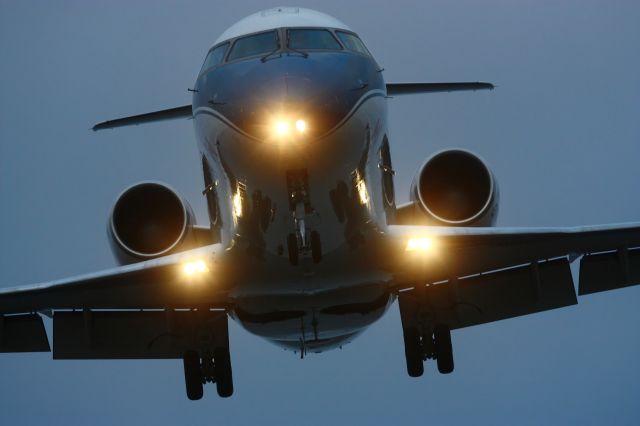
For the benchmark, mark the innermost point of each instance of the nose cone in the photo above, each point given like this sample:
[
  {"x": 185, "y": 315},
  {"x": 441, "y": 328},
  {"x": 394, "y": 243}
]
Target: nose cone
[{"x": 321, "y": 90}]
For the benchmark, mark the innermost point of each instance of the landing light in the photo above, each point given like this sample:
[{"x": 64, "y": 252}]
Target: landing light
[
  {"x": 237, "y": 204},
  {"x": 363, "y": 194},
  {"x": 420, "y": 244},
  {"x": 301, "y": 126},
  {"x": 195, "y": 267},
  {"x": 281, "y": 128},
  {"x": 285, "y": 128}
]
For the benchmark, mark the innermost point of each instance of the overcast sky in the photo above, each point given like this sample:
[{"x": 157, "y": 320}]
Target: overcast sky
[{"x": 560, "y": 132}]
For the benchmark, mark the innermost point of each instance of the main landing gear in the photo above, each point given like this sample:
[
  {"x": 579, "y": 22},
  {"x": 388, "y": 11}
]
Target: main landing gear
[
  {"x": 424, "y": 338},
  {"x": 214, "y": 368},
  {"x": 209, "y": 360},
  {"x": 419, "y": 347}
]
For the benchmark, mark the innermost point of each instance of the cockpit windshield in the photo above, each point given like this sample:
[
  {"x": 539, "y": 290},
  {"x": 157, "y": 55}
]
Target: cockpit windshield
[
  {"x": 253, "y": 45},
  {"x": 352, "y": 42},
  {"x": 303, "y": 39},
  {"x": 215, "y": 56}
]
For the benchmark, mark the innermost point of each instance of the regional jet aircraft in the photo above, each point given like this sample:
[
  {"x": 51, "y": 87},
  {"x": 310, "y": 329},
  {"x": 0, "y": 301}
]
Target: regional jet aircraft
[{"x": 305, "y": 244}]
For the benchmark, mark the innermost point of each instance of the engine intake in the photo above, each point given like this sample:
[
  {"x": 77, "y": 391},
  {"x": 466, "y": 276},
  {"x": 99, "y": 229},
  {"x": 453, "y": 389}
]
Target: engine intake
[
  {"x": 149, "y": 220},
  {"x": 455, "y": 187}
]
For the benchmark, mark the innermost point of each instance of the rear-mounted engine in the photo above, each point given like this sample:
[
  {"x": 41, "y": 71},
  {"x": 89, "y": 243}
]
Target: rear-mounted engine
[
  {"x": 149, "y": 220},
  {"x": 456, "y": 188}
]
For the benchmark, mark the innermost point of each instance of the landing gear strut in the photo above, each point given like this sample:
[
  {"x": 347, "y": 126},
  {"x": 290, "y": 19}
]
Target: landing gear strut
[
  {"x": 303, "y": 241},
  {"x": 423, "y": 339}
]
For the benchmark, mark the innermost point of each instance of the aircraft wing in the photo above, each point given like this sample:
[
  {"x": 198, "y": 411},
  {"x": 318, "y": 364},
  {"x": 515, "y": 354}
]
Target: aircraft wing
[
  {"x": 469, "y": 276},
  {"x": 125, "y": 308}
]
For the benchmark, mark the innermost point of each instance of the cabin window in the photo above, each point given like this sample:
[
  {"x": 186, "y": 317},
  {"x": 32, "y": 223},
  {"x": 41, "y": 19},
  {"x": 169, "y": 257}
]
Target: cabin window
[
  {"x": 312, "y": 39},
  {"x": 352, "y": 42},
  {"x": 252, "y": 45},
  {"x": 215, "y": 56}
]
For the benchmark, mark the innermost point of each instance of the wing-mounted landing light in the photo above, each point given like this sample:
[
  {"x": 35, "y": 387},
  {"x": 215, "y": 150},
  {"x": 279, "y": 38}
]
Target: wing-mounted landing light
[
  {"x": 420, "y": 244},
  {"x": 195, "y": 268}
]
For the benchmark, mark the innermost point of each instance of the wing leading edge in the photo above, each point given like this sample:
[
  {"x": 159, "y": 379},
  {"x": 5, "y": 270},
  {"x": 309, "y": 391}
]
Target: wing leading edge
[
  {"x": 145, "y": 310},
  {"x": 153, "y": 284}
]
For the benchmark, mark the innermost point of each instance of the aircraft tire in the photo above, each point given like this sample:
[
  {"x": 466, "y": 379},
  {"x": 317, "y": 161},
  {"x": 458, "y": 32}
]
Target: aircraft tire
[
  {"x": 444, "y": 350},
  {"x": 224, "y": 376},
  {"x": 193, "y": 375},
  {"x": 413, "y": 352}
]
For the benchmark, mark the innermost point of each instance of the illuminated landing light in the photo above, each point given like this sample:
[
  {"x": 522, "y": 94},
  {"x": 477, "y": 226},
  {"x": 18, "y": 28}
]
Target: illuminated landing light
[
  {"x": 195, "y": 268},
  {"x": 281, "y": 128},
  {"x": 237, "y": 204},
  {"x": 363, "y": 194},
  {"x": 420, "y": 244},
  {"x": 301, "y": 126}
]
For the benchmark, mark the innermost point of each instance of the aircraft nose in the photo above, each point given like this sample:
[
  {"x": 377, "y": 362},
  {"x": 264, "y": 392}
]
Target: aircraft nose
[{"x": 311, "y": 95}]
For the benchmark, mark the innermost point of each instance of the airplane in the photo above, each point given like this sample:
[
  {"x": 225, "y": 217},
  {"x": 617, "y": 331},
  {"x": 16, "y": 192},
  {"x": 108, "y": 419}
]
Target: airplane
[{"x": 305, "y": 244}]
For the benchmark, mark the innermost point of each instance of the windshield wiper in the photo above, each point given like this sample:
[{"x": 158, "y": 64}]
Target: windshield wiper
[
  {"x": 291, "y": 49},
  {"x": 274, "y": 51}
]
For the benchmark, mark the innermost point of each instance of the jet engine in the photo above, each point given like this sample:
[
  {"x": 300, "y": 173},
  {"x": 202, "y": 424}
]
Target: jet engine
[
  {"x": 149, "y": 220},
  {"x": 456, "y": 188}
]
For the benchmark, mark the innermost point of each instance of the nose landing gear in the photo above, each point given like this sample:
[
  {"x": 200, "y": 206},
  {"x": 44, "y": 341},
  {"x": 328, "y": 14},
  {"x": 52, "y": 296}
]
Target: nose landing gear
[
  {"x": 296, "y": 246},
  {"x": 302, "y": 241}
]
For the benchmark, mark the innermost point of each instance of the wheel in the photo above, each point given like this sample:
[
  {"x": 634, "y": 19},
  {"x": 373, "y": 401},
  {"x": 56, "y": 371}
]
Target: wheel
[
  {"x": 316, "y": 247},
  {"x": 224, "y": 377},
  {"x": 413, "y": 352},
  {"x": 292, "y": 247},
  {"x": 192, "y": 375},
  {"x": 444, "y": 351}
]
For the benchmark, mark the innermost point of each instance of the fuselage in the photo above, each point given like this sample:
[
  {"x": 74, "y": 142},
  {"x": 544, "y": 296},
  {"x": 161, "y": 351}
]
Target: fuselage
[{"x": 297, "y": 202}]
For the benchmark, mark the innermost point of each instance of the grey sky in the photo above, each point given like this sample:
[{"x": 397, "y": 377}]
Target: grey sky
[{"x": 561, "y": 133}]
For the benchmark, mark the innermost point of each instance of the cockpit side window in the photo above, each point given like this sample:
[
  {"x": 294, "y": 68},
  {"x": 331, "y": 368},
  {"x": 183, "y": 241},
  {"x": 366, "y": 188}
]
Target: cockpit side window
[
  {"x": 215, "y": 56},
  {"x": 312, "y": 39},
  {"x": 252, "y": 45},
  {"x": 352, "y": 42}
]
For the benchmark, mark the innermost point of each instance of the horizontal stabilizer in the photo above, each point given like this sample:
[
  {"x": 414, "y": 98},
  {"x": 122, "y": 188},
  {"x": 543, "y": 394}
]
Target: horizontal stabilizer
[
  {"x": 394, "y": 89},
  {"x": 165, "y": 114},
  {"x": 23, "y": 333}
]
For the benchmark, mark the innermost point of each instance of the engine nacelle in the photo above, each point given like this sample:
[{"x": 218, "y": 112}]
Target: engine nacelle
[
  {"x": 456, "y": 188},
  {"x": 149, "y": 220}
]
